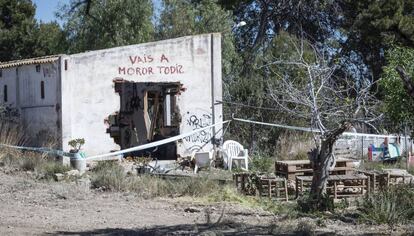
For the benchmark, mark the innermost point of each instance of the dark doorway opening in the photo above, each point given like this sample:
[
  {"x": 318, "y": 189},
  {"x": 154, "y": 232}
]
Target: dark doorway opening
[{"x": 148, "y": 113}]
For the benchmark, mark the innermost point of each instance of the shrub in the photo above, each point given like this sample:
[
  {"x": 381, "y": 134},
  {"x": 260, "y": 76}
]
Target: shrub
[
  {"x": 305, "y": 228},
  {"x": 261, "y": 163},
  {"x": 392, "y": 206},
  {"x": 306, "y": 204},
  {"x": 50, "y": 168},
  {"x": 109, "y": 176},
  {"x": 151, "y": 186},
  {"x": 31, "y": 162}
]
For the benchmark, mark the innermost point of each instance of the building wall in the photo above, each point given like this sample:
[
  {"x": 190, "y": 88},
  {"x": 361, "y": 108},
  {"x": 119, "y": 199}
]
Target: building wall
[
  {"x": 40, "y": 115},
  {"x": 8, "y": 79},
  {"x": 88, "y": 96}
]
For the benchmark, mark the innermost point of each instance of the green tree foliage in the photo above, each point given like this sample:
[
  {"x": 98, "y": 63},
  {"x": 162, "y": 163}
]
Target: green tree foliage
[
  {"x": 22, "y": 37},
  {"x": 184, "y": 17},
  {"x": 99, "y": 24},
  {"x": 398, "y": 105},
  {"x": 50, "y": 39},
  {"x": 373, "y": 26},
  {"x": 357, "y": 32},
  {"x": 17, "y": 29},
  {"x": 253, "y": 87}
]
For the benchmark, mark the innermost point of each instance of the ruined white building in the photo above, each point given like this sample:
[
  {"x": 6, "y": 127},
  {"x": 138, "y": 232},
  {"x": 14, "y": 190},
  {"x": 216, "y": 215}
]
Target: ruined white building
[{"x": 121, "y": 97}]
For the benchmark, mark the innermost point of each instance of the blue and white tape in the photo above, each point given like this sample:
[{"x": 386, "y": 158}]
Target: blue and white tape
[{"x": 137, "y": 148}]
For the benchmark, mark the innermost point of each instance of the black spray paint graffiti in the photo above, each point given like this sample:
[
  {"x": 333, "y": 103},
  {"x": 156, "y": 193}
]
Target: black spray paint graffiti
[{"x": 197, "y": 122}]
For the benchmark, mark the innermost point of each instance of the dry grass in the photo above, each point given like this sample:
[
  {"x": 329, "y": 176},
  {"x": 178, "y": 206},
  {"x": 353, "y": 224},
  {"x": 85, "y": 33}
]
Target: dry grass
[
  {"x": 40, "y": 163},
  {"x": 294, "y": 146},
  {"x": 111, "y": 176},
  {"x": 11, "y": 134}
]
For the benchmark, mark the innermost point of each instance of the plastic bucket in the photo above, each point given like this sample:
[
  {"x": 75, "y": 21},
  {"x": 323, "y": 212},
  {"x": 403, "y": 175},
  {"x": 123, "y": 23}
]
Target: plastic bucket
[{"x": 78, "y": 162}]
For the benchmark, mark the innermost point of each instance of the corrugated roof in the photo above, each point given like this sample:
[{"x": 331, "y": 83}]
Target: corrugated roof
[{"x": 37, "y": 60}]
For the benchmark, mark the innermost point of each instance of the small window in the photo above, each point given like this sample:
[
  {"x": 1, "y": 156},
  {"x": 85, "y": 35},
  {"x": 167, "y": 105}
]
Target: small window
[
  {"x": 5, "y": 98},
  {"x": 1, "y": 73},
  {"x": 42, "y": 89},
  {"x": 38, "y": 68}
]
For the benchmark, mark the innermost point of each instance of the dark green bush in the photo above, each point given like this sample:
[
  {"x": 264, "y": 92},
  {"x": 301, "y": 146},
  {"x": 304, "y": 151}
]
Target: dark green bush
[{"x": 261, "y": 163}]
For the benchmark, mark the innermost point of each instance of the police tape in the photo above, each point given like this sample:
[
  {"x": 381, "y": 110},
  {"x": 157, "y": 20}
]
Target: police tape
[
  {"x": 132, "y": 149},
  {"x": 314, "y": 130},
  {"x": 157, "y": 143},
  {"x": 40, "y": 149}
]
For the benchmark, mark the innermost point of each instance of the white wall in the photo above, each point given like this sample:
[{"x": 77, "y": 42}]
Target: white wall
[
  {"x": 88, "y": 96},
  {"x": 8, "y": 78},
  {"x": 39, "y": 115}
]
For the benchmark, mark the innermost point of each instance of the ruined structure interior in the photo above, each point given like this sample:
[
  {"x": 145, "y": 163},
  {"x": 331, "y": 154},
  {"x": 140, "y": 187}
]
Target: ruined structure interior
[{"x": 148, "y": 112}]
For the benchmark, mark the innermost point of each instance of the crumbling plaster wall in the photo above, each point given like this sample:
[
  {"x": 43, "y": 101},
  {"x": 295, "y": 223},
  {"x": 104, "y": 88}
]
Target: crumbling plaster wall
[{"x": 88, "y": 96}]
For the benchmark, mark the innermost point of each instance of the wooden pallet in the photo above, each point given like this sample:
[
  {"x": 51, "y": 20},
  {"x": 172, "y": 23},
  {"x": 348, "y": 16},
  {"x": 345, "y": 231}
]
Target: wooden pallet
[
  {"x": 242, "y": 182},
  {"x": 338, "y": 186},
  {"x": 374, "y": 178},
  {"x": 291, "y": 169},
  {"x": 273, "y": 188},
  {"x": 261, "y": 185},
  {"x": 380, "y": 180}
]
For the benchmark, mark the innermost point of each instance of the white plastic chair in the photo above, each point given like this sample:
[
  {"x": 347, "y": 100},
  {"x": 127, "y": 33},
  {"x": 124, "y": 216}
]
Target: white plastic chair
[
  {"x": 234, "y": 151},
  {"x": 202, "y": 159}
]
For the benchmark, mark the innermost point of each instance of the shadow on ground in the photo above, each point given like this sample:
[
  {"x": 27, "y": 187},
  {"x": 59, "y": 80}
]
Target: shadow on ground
[{"x": 186, "y": 229}]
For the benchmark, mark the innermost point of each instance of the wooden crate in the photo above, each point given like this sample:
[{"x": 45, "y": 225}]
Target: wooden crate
[
  {"x": 380, "y": 180},
  {"x": 273, "y": 188},
  {"x": 374, "y": 178},
  {"x": 242, "y": 182},
  {"x": 338, "y": 186},
  {"x": 389, "y": 179},
  {"x": 261, "y": 185},
  {"x": 293, "y": 168}
]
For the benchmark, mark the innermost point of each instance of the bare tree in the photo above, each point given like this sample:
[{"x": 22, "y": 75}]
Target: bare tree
[{"x": 306, "y": 87}]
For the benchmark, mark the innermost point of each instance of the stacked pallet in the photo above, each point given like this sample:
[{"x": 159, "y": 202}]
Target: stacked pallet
[
  {"x": 245, "y": 182},
  {"x": 273, "y": 188},
  {"x": 261, "y": 185},
  {"x": 293, "y": 168},
  {"x": 338, "y": 186},
  {"x": 380, "y": 179}
]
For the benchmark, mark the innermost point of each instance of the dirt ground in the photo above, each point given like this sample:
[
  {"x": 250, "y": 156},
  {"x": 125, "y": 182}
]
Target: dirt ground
[{"x": 32, "y": 207}]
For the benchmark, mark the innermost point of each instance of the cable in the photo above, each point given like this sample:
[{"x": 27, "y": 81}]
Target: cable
[{"x": 249, "y": 106}]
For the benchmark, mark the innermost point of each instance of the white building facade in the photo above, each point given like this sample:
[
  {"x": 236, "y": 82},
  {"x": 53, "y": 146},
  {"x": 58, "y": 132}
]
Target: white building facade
[{"x": 121, "y": 97}]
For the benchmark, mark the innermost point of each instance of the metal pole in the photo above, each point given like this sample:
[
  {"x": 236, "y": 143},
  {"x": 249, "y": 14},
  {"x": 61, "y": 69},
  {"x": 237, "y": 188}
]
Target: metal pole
[
  {"x": 362, "y": 147},
  {"x": 213, "y": 110},
  {"x": 406, "y": 146}
]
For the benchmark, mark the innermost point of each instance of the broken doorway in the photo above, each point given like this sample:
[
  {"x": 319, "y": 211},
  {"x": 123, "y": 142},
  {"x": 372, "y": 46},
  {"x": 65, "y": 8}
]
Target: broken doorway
[{"x": 148, "y": 113}]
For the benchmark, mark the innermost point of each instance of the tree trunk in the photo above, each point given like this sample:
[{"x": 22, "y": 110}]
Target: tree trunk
[
  {"x": 407, "y": 80},
  {"x": 321, "y": 159}
]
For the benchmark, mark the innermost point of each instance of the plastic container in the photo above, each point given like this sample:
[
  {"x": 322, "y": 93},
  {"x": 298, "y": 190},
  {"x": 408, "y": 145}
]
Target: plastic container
[{"x": 78, "y": 162}]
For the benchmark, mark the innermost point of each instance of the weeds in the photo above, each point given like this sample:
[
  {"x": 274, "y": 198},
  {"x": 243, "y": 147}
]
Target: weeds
[
  {"x": 392, "y": 206},
  {"x": 305, "y": 228},
  {"x": 109, "y": 176},
  {"x": 31, "y": 162},
  {"x": 261, "y": 163},
  {"x": 49, "y": 168}
]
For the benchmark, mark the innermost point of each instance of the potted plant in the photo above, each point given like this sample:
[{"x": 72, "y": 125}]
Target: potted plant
[
  {"x": 76, "y": 144},
  {"x": 78, "y": 160}
]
